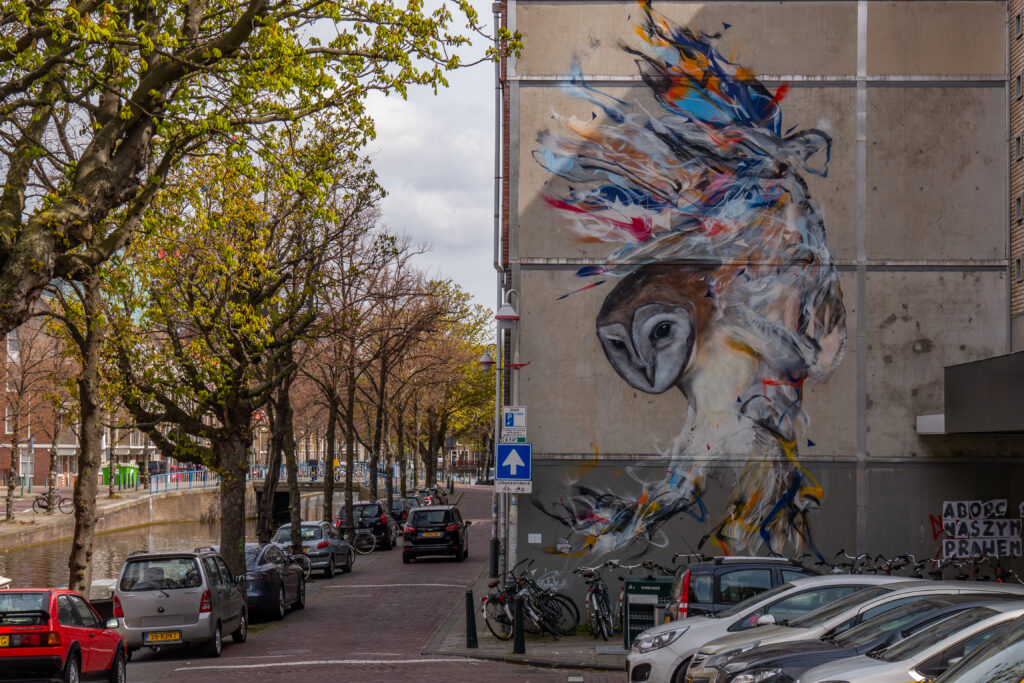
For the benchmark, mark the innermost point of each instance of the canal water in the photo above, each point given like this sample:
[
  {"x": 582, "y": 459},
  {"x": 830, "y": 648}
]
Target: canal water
[{"x": 46, "y": 565}]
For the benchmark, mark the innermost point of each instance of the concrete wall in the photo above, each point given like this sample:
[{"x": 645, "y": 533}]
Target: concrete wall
[{"x": 913, "y": 208}]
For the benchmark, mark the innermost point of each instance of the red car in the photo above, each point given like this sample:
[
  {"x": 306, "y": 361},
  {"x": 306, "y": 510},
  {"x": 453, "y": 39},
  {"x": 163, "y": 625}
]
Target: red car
[{"x": 52, "y": 634}]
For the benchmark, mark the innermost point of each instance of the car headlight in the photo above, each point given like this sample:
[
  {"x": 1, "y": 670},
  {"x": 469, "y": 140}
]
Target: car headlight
[
  {"x": 658, "y": 640},
  {"x": 756, "y": 676}
]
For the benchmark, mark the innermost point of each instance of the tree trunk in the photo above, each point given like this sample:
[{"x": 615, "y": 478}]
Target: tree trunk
[
  {"x": 378, "y": 430},
  {"x": 231, "y": 454},
  {"x": 265, "y": 523},
  {"x": 12, "y": 472},
  {"x": 292, "y": 469},
  {"x": 89, "y": 442},
  {"x": 332, "y": 426},
  {"x": 51, "y": 475},
  {"x": 400, "y": 435},
  {"x": 111, "y": 470},
  {"x": 350, "y": 450}
]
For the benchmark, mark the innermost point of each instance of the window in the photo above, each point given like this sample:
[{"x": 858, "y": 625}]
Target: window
[
  {"x": 1018, "y": 208},
  {"x": 741, "y": 584},
  {"x": 1018, "y": 269},
  {"x": 1018, "y": 25},
  {"x": 1018, "y": 147},
  {"x": 14, "y": 346},
  {"x": 85, "y": 613},
  {"x": 1019, "y": 86},
  {"x": 66, "y": 613},
  {"x": 9, "y": 421}
]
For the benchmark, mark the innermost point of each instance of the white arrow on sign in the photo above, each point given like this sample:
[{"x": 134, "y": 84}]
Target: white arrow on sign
[{"x": 513, "y": 461}]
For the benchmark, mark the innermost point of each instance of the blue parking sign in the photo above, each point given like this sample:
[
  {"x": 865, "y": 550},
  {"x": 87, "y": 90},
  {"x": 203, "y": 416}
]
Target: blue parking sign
[{"x": 515, "y": 462}]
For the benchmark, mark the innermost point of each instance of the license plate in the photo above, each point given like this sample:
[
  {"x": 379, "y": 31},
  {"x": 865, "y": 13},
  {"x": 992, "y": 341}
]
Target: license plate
[
  {"x": 431, "y": 534},
  {"x": 162, "y": 637},
  {"x": 5, "y": 641}
]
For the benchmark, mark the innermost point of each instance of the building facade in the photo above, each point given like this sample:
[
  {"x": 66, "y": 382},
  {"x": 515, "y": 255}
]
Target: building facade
[{"x": 747, "y": 240}]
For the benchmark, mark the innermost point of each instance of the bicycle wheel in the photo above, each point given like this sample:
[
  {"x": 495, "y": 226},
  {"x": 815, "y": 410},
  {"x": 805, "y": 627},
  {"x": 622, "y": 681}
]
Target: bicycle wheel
[
  {"x": 303, "y": 562},
  {"x": 564, "y": 615},
  {"x": 607, "y": 628},
  {"x": 39, "y": 505},
  {"x": 364, "y": 542},
  {"x": 66, "y": 505},
  {"x": 497, "y": 618},
  {"x": 593, "y": 615}
]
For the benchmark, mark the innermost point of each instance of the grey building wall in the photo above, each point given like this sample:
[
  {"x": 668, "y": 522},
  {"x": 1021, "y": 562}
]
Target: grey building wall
[{"x": 913, "y": 98}]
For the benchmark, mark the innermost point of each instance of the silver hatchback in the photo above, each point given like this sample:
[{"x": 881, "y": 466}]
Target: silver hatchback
[
  {"x": 322, "y": 544},
  {"x": 184, "y": 598}
]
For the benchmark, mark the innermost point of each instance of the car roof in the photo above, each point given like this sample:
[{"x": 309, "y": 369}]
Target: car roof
[
  {"x": 840, "y": 579},
  {"x": 438, "y": 507}
]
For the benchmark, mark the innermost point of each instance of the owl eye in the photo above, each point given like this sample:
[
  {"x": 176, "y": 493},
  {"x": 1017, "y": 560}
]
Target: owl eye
[
  {"x": 618, "y": 344},
  {"x": 662, "y": 331}
]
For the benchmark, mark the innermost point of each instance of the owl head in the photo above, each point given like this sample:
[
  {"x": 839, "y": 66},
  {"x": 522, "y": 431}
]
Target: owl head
[{"x": 650, "y": 324}]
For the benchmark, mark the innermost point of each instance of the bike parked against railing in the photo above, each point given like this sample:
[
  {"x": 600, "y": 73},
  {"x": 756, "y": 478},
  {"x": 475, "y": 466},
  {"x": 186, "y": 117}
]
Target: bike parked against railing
[
  {"x": 599, "y": 609},
  {"x": 61, "y": 503}
]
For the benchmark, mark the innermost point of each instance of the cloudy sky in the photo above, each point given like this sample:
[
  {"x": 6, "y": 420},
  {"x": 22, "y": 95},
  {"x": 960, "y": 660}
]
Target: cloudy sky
[{"x": 435, "y": 157}]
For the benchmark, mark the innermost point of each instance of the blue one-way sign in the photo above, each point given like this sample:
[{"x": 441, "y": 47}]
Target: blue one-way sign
[{"x": 515, "y": 462}]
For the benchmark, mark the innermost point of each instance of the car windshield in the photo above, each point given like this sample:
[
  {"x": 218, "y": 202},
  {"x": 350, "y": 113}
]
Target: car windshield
[
  {"x": 23, "y": 609},
  {"x": 886, "y": 623},
  {"x": 938, "y": 631},
  {"x": 740, "y": 607},
  {"x": 429, "y": 517},
  {"x": 827, "y": 612},
  {"x": 306, "y": 533},
  {"x": 1001, "y": 658},
  {"x": 161, "y": 574},
  {"x": 251, "y": 552}
]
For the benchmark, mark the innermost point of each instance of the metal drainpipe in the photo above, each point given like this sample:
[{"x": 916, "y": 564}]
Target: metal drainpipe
[{"x": 495, "y": 541}]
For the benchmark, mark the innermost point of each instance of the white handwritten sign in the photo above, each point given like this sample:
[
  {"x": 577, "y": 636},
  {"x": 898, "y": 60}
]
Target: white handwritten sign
[{"x": 976, "y": 528}]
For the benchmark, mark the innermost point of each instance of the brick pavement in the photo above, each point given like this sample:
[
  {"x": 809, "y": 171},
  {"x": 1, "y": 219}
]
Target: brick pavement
[{"x": 374, "y": 624}]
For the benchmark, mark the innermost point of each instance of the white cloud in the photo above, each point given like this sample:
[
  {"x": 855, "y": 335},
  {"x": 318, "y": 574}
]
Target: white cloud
[{"x": 434, "y": 156}]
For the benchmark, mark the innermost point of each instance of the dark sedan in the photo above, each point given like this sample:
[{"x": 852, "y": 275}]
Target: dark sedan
[
  {"x": 788, "y": 660},
  {"x": 273, "y": 581},
  {"x": 437, "y": 530},
  {"x": 377, "y": 518}
]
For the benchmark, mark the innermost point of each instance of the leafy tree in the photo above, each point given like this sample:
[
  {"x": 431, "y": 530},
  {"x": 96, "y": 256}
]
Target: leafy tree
[
  {"x": 222, "y": 290},
  {"x": 99, "y": 101}
]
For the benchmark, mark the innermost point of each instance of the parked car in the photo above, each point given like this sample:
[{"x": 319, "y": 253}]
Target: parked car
[
  {"x": 433, "y": 495},
  {"x": 413, "y": 500},
  {"x": 710, "y": 587},
  {"x": 376, "y": 516},
  {"x": 842, "y": 615},
  {"x": 55, "y": 634},
  {"x": 796, "y": 657},
  {"x": 927, "y": 653},
  {"x": 322, "y": 544},
  {"x": 400, "y": 508},
  {"x": 437, "y": 530},
  {"x": 154, "y": 467},
  {"x": 273, "y": 581},
  {"x": 999, "y": 660},
  {"x": 663, "y": 653},
  {"x": 179, "y": 598}
]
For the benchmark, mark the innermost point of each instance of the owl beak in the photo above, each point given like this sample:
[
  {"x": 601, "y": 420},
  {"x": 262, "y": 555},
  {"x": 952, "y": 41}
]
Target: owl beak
[{"x": 649, "y": 374}]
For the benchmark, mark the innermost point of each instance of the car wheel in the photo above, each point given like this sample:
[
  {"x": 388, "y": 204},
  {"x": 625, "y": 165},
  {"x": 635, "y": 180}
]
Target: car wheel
[
  {"x": 680, "y": 674},
  {"x": 300, "y": 602},
  {"x": 281, "y": 606},
  {"x": 72, "y": 670},
  {"x": 406, "y": 558},
  {"x": 388, "y": 543},
  {"x": 348, "y": 566},
  {"x": 460, "y": 556},
  {"x": 214, "y": 647},
  {"x": 329, "y": 569},
  {"x": 242, "y": 632}
]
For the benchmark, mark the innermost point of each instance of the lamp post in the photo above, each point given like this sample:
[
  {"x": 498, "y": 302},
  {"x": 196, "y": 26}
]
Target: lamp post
[{"x": 507, "y": 319}]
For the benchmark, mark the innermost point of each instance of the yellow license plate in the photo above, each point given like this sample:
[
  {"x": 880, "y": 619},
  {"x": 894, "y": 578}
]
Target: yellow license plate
[
  {"x": 431, "y": 534},
  {"x": 163, "y": 636},
  {"x": 5, "y": 641}
]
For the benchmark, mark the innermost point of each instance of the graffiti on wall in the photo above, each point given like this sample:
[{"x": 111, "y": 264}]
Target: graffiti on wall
[
  {"x": 975, "y": 528},
  {"x": 721, "y": 284}
]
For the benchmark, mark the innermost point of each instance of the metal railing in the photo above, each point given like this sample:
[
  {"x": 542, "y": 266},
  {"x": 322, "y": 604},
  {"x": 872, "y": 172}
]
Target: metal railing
[{"x": 184, "y": 479}]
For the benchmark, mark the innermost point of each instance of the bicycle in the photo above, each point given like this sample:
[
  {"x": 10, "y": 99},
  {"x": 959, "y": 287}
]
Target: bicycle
[
  {"x": 362, "y": 541},
  {"x": 299, "y": 559},
  {"x": 599, "y": 611},
  {"x": 42, "y": 504},
  {"x": 543, "y": 609}
]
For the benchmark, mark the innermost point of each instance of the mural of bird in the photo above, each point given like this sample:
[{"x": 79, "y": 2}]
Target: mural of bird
[{"x": 727, "y": 289}]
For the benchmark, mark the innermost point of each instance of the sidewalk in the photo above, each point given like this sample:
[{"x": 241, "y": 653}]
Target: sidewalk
[{"x": 568, "y": 652}]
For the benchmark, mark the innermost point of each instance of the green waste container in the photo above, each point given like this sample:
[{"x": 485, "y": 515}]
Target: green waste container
[
  {"x": 126, "y": 475},
  {"x": 644, "y": 599}
]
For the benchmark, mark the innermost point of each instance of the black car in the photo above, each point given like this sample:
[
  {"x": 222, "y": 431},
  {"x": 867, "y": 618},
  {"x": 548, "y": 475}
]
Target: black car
[
  {"x": 710, "y": 587},
  {"x": 794, "y": 658},
  {"x": 273, "y": 581},
  {"x": 377, "y": 518},
  {"x": 436, "y": 530},
  {"x": 401, "y": 507}
]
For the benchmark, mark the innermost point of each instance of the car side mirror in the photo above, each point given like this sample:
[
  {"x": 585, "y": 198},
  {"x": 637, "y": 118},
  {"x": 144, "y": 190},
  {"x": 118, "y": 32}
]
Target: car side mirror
[
  {"x": 468, "y": 522},
  {"x": 765, "y": 620},
  {"x": 110, "y": 623}
]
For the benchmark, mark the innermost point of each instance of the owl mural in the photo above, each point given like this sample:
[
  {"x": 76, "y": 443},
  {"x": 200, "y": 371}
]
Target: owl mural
[{"x": 725, "y": 289}]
